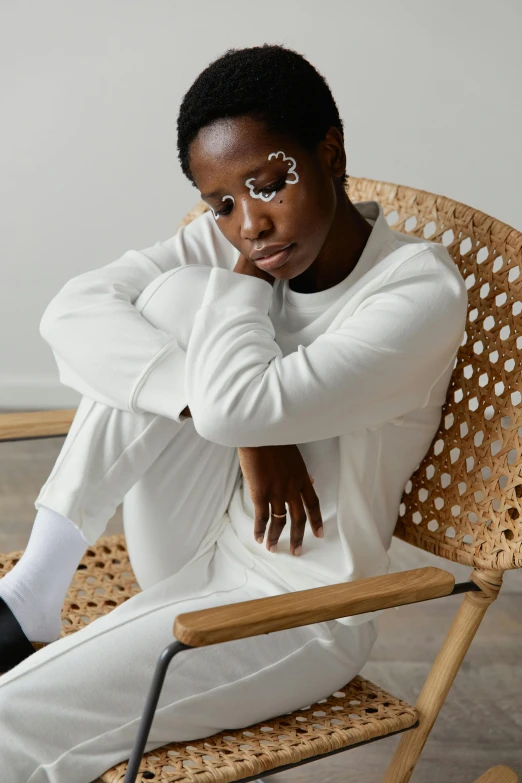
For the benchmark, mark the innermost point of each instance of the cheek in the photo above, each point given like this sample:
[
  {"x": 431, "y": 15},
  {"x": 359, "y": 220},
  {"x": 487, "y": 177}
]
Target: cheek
[
  {"x": 224, "y": 227},
  {"x": 308, "y": 214}
]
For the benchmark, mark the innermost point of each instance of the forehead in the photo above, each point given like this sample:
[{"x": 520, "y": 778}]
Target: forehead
[{"x": 234, "y": 148}]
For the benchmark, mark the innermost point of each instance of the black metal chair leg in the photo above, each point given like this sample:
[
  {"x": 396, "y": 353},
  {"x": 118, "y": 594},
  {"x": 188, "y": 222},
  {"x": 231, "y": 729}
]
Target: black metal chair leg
[{"x": 150, "y": 708}]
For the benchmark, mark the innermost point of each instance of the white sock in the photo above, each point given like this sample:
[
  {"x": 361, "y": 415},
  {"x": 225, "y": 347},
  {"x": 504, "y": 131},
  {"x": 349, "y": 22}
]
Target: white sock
[{"x": 35, "y": 588}]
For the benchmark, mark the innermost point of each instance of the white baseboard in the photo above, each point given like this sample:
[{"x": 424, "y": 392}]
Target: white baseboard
[{"x": 35, "y": 393}]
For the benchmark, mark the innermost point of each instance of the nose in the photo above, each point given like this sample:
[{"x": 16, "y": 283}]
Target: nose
[{"x": 254, "y": 218}]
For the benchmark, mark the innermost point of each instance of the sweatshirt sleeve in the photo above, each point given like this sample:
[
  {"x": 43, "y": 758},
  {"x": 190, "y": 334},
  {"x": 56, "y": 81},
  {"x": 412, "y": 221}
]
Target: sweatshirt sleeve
[
  {"x": 381, "y": 363},
  {"x": 104, "y": 348}
]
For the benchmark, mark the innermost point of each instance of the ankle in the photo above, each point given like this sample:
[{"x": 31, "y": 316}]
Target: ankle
[
  {"x": 36, "y": 587},
  {"x": 39, "y": 619}
]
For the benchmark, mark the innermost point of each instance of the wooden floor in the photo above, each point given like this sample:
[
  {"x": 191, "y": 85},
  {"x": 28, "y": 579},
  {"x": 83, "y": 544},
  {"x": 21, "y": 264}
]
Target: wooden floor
[{"x": 481, "y": 722}]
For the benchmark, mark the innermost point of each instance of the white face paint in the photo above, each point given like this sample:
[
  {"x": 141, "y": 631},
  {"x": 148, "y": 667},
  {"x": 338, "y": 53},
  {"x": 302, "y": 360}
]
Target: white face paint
[
  {"x": 291, "y": 170},
  {"x": 223, "y": 199},
  {"x": 258, "y": 195}
]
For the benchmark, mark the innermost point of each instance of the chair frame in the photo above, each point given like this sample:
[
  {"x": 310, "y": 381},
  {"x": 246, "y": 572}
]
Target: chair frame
[{"x": 267, "y": 615}]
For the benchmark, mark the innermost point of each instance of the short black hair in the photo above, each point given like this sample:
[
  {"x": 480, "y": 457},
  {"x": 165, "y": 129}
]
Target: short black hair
[{"x": 272, "y": 83}]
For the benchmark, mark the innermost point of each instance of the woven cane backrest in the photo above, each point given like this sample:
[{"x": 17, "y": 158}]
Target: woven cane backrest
[{"x": 464, "y": 501}]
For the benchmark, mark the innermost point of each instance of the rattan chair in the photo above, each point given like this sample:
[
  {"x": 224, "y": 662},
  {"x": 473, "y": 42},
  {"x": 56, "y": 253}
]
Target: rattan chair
[{"x": 463, "y": 502}]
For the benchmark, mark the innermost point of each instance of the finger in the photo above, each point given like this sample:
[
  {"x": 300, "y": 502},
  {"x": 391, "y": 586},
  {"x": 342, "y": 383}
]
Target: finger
[
  {"x": 262, "y": 515},
  {"x": 277, "y": 525},
  {"x": 298, "y": 525},
  {"x": 313, "y": 509}
]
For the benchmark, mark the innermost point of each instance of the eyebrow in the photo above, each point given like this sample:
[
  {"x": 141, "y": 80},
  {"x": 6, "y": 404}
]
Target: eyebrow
[{"x": 251, "y": 174}]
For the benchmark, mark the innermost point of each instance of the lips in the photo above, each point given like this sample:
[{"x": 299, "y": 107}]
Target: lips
[
  {"x": 276, "y": 260},
  {"x": 268, "y": 250}
]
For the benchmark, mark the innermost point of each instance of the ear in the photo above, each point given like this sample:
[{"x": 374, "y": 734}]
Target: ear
[{"x": 333, "y": 152}]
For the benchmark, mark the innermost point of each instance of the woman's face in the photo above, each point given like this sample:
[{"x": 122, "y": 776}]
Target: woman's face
[{"x": 265, "y": 189}]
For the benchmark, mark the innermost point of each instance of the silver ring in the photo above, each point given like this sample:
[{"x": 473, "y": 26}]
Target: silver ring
[{"x": 280, "y": 516}]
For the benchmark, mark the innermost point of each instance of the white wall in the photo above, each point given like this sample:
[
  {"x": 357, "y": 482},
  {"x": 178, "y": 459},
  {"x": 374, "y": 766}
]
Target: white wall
[{"x": 429, "y": 93}]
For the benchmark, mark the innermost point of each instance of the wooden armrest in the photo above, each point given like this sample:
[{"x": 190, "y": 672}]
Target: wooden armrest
[
  {"x": 35, "y": 424},
  {"x": 303, "y": 607},
  {"x": 500, "y": 774}
]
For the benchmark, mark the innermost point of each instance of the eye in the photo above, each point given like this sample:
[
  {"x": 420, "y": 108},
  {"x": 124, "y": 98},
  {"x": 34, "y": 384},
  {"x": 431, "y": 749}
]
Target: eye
[
  {"x": 267, "y": 189},
  {"x": 276, "y": 186},
  {"x": 223, "y": 211}
]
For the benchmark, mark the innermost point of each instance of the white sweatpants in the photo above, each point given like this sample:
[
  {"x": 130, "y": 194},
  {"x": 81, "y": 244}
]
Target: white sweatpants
[{"x": 71, "y": 711}]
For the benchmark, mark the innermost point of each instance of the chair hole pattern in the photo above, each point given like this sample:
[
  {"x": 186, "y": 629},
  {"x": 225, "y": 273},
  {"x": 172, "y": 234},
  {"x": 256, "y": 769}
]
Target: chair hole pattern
[
  {"x": 359, "y": 712},
  {"x": 464, "y": 501},
  {"x": 103, "y": 580}
]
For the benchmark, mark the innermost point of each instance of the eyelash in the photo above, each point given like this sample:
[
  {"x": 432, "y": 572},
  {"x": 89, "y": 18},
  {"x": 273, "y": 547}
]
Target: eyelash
[{"x": 270, "y": 188}]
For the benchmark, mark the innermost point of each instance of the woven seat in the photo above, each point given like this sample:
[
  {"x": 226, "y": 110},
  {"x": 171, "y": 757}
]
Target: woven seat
[{"x": 360, "y": 712}]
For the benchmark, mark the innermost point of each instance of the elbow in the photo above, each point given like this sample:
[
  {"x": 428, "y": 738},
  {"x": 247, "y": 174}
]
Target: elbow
[
  {"x": 61, "y": 308},
  {"x": 218, "y": 426},
  {"x": 224, "y": 415},
  {"x": 48, "y": 322},
  {"x": 209, "y": 426},
  {"x": 52, "y": 328},
  {"x": 55, "y": 323},
  {"x": 227, "y": 431}
]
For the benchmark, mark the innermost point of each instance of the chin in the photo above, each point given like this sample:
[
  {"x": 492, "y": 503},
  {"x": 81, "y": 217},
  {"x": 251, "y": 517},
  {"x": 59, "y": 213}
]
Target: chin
[
  {"x": 290, "y": 271},
  {"x": 284, "y": 273}
]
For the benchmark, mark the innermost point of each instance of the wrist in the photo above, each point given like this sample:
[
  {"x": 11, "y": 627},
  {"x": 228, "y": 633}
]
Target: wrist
[{"x": 245, "y": 267}]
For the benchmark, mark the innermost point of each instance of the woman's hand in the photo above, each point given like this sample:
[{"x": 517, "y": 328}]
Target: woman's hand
[
  {"x": 277, "y": 475},
  {"x": 246, "y": 267}
]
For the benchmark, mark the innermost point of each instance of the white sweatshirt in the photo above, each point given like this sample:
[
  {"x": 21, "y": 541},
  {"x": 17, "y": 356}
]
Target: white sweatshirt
[{"x": 354, "y": 375}]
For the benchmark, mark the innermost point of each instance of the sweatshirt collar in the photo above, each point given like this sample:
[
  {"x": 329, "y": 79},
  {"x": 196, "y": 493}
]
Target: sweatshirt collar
[{"x": 379, "y": 244}]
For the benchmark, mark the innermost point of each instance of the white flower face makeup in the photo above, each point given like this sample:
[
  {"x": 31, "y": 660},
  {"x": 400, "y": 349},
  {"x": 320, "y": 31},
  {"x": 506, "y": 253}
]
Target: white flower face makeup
[
  {"x": 223, "y": 199},
  {"x": 291, "y": 170}
]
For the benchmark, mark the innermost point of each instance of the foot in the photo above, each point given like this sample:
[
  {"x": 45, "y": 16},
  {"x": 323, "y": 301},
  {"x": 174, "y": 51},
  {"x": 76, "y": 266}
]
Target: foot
[
  {"x": 35, "y": 589},
  {"x": 14, "y": 644},
  {"x": 39, "y": 622}
]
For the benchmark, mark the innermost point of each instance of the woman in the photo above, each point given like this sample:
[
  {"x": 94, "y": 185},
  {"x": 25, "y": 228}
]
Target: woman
[{"x": 285, "y": 348}]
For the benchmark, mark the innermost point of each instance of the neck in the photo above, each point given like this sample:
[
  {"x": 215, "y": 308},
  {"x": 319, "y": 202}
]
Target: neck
[{"x": 341, "y": 251}]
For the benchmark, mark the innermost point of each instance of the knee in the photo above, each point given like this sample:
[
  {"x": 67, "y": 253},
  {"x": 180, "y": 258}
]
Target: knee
[{"x": 171, "y": 301}]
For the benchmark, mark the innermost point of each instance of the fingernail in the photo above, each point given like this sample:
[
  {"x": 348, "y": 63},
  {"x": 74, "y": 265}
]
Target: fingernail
[
  {"x": 298, "y": 551},
  {"x": 273, "y": 548},
  {"x": 320, "y": 532},
  {"x": 260, "y": 539}
]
